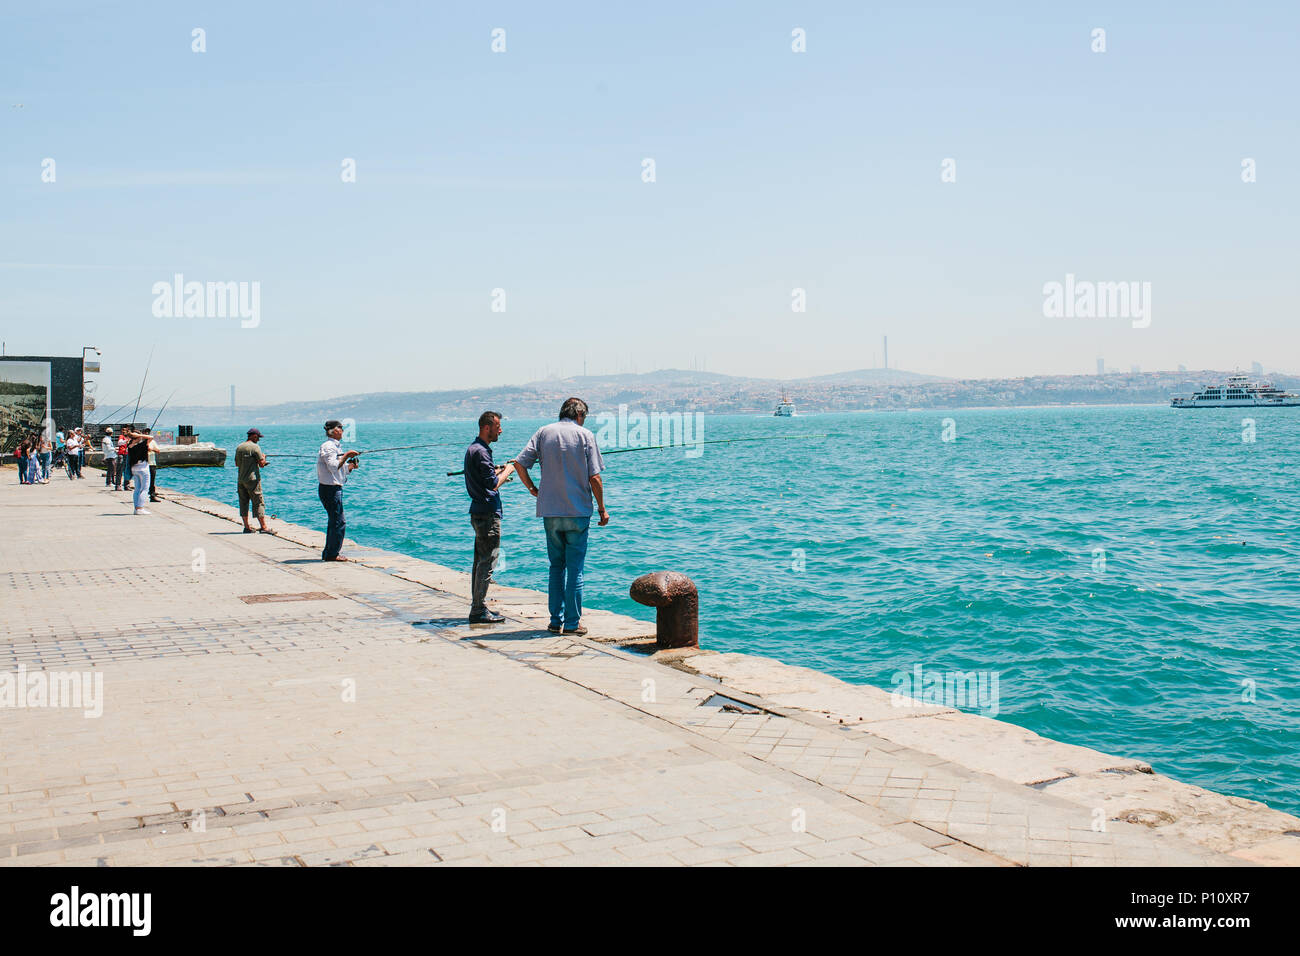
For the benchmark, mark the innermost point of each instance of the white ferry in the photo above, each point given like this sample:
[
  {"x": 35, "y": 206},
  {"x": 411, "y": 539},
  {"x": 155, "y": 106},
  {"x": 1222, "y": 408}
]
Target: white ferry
[
  {"x": 784, "y": 408},
  {"x": 1238, "y": 392}
]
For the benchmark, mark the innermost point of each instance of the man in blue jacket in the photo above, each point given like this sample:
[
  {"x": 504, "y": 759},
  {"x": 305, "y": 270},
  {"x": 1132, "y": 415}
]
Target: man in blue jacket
[{"x": 483, "y": 481}]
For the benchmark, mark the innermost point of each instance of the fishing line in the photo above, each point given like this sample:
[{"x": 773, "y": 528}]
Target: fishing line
[{"x": 694, "y": 444}]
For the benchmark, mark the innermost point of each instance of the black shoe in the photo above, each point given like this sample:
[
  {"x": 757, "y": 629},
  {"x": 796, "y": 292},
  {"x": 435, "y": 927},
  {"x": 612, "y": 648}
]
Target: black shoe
[
  {"x": 487, "y": 617},
  {"x": 554, "y": 628}
]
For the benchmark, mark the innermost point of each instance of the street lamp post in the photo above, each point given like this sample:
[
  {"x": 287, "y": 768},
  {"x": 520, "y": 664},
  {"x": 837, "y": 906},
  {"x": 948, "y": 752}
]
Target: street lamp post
[{"x": 88, "y": 366}]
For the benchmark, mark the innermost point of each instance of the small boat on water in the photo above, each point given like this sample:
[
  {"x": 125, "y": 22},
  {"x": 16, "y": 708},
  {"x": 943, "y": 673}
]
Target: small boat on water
[
  {"x": 784, "y": 408},
  {"x": 1239, "y": 392}
]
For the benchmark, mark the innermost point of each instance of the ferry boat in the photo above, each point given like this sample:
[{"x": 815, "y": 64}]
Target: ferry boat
[
  {"x": 1238, "y": 392},
  {"x": 784, "y": 408}
]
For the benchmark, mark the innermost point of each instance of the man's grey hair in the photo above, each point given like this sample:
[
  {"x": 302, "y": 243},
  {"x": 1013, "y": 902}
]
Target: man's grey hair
[{"x": 573, "y": 409}]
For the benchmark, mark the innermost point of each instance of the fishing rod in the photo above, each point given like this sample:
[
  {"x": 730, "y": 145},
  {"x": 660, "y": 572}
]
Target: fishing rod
[
  {"x": 715, "y": 441},
  {"x": 372, "y": 451},
  {"x": 164, "y": 408},
  {"x": 109, "y": 416},
  {"x": 444, "y": 444},
  {"x": 142, "y": 381}
]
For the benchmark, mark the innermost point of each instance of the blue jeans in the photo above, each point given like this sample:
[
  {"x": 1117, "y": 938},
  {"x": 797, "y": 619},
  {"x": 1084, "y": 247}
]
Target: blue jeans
[
  {"x": 566, "y": 547},
  {"x": 331, "y": 496},
  {"x": 46, "y": 458},
  {"x": 140, "y": 475}
]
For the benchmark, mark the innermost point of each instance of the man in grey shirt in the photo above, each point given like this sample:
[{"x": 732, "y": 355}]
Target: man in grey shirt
[{"x": 571, "y": 467}]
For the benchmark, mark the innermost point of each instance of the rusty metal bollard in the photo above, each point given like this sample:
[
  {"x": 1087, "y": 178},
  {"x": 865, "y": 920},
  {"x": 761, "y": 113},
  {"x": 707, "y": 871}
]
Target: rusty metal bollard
[{"x": 677, "y": 603}]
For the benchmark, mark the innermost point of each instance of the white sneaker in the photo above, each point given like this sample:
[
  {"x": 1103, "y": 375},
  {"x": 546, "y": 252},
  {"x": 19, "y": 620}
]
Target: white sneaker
[{"x": 142, "y": 511}]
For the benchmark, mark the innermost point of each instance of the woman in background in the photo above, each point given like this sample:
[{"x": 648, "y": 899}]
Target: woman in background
[
  {"x": 72, "y": 454},
  {"x": 20, "y": 455},
  {"x": 137, "y": 453},
  {"x": 33, "y": 459},
  {"x": 47, "y": 457}
]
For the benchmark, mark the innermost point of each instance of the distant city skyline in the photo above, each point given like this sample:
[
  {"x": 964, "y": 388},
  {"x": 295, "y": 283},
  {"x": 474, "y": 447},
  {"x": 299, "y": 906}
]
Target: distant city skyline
[
  {"x": 680, "y": 186},
  {"x": 687, "y": 391},
  {"x": 156, "y": 392}
]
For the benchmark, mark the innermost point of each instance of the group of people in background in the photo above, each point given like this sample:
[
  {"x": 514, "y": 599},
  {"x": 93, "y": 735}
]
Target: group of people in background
[
  {"x": 136, "y": 465},
  {"x": 39, "y": 456},
  {"x": 131, "y": 464},
  {"x": 35, "y": 455},
  {"x": 130, "y": 460}
]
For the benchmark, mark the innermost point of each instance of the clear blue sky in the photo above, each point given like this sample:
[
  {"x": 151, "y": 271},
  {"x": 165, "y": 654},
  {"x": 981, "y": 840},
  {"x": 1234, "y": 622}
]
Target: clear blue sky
[{"x": 522, "y": 171}]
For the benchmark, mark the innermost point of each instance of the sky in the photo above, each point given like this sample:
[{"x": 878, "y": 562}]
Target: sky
[{"x": 524, "y": 171}]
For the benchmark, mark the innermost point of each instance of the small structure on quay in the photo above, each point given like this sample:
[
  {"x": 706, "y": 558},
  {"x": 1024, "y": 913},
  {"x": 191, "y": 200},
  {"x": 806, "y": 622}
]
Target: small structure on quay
[{"x": 677, "y": 604}]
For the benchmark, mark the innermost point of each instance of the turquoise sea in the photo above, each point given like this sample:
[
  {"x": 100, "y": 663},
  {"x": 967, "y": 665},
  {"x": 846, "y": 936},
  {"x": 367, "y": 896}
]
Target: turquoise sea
[{"x": 1128, "y": 573}]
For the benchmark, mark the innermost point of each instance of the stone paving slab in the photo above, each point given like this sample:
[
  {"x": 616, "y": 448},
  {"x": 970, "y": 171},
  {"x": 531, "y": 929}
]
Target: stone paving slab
[{"x": 377, "y": 728}]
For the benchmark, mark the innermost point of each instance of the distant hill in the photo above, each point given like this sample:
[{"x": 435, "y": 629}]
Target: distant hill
[{"x": 673, "y": 390}]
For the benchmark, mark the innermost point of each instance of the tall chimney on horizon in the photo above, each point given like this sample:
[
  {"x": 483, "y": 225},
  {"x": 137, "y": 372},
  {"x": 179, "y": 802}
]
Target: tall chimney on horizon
[
  {"x": 232, "y": 403},
  {"x": 886, "y": 351}
]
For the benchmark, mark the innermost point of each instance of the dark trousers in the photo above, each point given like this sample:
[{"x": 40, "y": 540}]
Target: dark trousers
[
  {"x": 487, "y": 543},
  {"x": 331, "y": 496},
  {"x": 153, "y": 482},
  {"x": 110, "y": 469}
]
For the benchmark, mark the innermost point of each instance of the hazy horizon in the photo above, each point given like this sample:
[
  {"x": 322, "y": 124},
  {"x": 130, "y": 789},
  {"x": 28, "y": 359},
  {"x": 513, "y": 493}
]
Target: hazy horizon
[{"x": 153, "y": 405}]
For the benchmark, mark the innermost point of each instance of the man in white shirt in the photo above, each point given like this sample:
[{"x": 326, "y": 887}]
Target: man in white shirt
[
  {"x": 111, "y": 475},
  {"x": 333, "y": 465}
]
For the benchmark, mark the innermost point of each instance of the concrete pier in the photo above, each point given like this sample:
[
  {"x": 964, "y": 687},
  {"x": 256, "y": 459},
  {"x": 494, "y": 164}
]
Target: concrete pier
[{"x": 262, "y": 707}]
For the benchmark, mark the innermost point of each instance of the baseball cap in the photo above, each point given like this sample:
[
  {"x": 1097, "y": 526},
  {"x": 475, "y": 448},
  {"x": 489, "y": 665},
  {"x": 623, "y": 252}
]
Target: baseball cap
[{"x": 254, "y": 431}]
